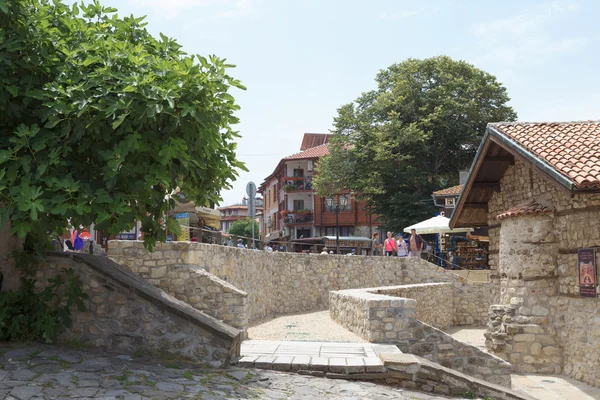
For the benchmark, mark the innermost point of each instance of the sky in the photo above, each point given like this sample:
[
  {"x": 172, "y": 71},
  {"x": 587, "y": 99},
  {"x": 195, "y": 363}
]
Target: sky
[{"x": 302, "y": 59}]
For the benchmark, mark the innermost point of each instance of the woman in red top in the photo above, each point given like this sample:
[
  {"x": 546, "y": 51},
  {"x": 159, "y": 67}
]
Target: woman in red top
[{"x": 390, "y": 245}]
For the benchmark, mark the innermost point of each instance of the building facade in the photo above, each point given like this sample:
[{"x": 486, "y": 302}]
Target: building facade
[
  {"x": 237, "y": 212},
  {"x": 537, "y": 188},
  {"x": 293, "y": 210}
]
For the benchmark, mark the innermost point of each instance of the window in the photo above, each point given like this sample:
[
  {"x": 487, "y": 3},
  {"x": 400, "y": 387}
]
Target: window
[
  {"x": 332, "y": 209},
  {"x": 344, "y": 231},
  {"x": 303, "y": 233},
  {"x": 450, "y": 202},
  {"x": 274, "y": 190},
  {"x": 298, "y": 205},
  {"x": 299, "y": 173}
]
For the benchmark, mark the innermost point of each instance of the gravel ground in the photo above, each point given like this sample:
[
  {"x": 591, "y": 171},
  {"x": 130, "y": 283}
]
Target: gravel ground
[{"x": 315, "y": 327}]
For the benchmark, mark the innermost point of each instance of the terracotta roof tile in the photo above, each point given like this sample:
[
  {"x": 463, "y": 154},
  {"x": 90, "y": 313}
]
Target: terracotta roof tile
[
  {"x": 529, "y": 207},
  {"x": 454, "y": 190},
  {"x": 571, "y": 148},
  {"x": 314, "y": 152}
]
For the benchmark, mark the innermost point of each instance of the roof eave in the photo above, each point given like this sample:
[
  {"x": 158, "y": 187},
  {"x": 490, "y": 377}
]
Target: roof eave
[
  {"x": 539, "y": 162},
  {"x": 469, "y": 182}
]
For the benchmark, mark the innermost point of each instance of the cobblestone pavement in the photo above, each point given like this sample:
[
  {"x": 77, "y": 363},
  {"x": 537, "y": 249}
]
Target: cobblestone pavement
[{"x": 51, "y": 372}]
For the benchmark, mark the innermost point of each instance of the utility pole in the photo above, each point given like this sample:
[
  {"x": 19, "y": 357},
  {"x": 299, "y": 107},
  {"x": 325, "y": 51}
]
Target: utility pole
[{"x": 251, "y": 192}]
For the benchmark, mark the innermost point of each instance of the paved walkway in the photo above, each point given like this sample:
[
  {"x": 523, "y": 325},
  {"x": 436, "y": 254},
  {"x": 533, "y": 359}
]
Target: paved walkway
[
  {"x": 49, "y": 372},
  {"x": 315, "y": 326},
  {"x": 337, "y": 358},
  {"x": 543, "y": 387},
  {"x": 318, "y": 326}
]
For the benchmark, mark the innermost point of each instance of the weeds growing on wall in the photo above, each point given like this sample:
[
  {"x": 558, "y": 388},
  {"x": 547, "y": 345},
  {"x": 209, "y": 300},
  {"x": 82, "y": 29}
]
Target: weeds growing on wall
[{"x": 29, "y": 313}]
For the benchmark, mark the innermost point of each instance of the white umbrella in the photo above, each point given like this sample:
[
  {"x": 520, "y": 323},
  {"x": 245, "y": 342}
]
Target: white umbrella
[{"x": 437, "y": 224}]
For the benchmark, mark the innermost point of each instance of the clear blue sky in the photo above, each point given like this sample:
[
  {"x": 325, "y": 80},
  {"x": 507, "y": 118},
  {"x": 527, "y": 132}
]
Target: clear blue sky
[{"x": 302, "y": 59}]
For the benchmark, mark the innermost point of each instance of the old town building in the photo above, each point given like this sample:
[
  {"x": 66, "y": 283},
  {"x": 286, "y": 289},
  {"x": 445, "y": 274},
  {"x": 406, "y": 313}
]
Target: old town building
[
  {"x": 537, "y": 187},
  {"x": 293, "y": 210},
  {"x": 236, "y": 212}
]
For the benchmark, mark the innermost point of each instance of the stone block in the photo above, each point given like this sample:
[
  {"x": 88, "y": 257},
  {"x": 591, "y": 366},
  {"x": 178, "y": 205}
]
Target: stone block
[
  {"x": 525, "y": 337},
  {"x": 539, "y": 311}
]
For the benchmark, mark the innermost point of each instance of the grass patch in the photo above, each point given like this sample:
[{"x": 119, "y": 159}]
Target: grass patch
[
  {"x": 64, "y": 364},
  {"x": 73, "y": 343},
  {"x": 172, "y": 366},
  {"x": 75, "y": 380},
  {"x": 139, "y": 352},
  {"x": 123, "y": 377},
  {"x": 34, "y": 353},
  {"x": 188, "y": 375}
]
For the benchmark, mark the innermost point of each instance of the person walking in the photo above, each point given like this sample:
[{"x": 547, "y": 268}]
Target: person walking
[
  {"x": 391, "y": 248},
  {"x": 402, "y": 247},
  {"x": 415, "y": 244},
  {"x": 376, "y": 244}
]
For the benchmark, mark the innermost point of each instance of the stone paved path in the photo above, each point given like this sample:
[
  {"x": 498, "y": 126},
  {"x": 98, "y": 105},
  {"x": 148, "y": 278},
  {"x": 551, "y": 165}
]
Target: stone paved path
[
  {"x": 314, "y": 326},
  {"x": 49, "y": 372}
]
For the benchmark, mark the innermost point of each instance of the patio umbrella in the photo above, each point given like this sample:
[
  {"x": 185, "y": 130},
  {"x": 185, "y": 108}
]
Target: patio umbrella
[{"x": 437, "y": 224}]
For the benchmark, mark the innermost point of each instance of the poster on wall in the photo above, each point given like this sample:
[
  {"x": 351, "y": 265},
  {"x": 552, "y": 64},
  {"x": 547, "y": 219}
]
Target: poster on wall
[
  {"x": 586, "y": 262},
  {"x": 184, "y": 222}
]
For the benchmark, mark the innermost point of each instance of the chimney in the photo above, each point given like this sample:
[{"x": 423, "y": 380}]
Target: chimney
[{"x": 463, "y": 176}]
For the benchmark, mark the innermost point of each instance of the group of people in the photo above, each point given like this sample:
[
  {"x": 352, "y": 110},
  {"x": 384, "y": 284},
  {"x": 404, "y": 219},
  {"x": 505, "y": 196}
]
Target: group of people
[{"x": 399, "y": 246}]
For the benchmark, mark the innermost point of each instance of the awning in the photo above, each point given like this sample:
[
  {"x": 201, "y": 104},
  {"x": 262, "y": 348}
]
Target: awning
[{"x": 437, "y": 224}]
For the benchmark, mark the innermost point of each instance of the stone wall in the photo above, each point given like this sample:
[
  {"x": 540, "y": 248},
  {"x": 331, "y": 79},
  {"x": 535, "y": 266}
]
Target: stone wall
[
  {"x": 203, "y": 291},
  {"x": 284, "y": 283},
  {"x": 385, "y": 319},
  {"x": 8, "y": 244},
  {"x": 541, "y": 323},
  {"x": 125, "y": 314},
  {"x": 434, "y": 301}
]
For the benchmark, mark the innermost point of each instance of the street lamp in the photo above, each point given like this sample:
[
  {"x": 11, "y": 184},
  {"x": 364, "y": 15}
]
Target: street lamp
[{"x": 337, "y": 203}]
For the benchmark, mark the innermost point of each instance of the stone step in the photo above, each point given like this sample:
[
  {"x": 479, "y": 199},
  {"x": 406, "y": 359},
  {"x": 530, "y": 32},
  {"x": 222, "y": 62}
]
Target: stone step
[{"x": 344, "y": 360}]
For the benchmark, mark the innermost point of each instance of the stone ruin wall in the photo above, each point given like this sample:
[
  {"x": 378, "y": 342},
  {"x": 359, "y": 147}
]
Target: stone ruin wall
[
  {"x": 385, "y": 318},
  {"x": 8, "y": 244},
  {"x": 284, "y": 283},
  {"x": 126, "y": 315},
  {"x": 193, "y": 285},
  {"x": 434, "y": 301},
  {"x": 541, "y": 323}
]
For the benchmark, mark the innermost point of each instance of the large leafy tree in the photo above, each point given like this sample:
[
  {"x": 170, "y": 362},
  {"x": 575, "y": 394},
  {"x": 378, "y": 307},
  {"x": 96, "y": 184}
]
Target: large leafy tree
[
  {"x": 394, "y": 145},
  {"x": 99, "y": 121},
  {"x": 243, "y": 227}
]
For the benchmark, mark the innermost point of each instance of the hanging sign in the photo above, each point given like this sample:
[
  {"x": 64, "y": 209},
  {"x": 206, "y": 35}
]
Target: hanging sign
[
  {"x": 184, "y": 223},
  {"x": 586, "y": 263}
]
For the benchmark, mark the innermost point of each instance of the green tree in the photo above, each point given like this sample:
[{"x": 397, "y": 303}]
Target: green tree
[
  {"x": 394, "y": 145},
  {"x": 243, "y": 227},
  {"x": 100, "y": 121}
]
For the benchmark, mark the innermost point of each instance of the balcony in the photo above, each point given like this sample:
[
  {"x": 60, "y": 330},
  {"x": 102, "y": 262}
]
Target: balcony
[
  {"x": 295, "y": 184},
  {"x": 297, "y": 217}
]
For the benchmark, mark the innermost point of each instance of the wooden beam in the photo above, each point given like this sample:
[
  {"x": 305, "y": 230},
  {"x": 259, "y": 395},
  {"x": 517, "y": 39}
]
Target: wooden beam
[
  {"x": 483, "y": 206},
  {"x": 486, "y": 185},
  {"x": 500, "y": 159}
]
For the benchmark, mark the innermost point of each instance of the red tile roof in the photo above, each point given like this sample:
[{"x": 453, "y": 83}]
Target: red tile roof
[
  {"x": 314, "y": 152},
  {"x": 571, "y": 148},
  {"x": 529, "y": 207},
  {"x": 454, "y": 190}
]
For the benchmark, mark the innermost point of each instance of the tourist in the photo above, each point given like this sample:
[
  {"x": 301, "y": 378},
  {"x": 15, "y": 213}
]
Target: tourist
[
  {"x": 376, "y": 244},
  {"x": 240, "y": 244},
  {"x": 391, "y": 248},
  {"x": 415, "y": 244},
  {"x": 324, "y": 251},
  {"x": 268, "y": 248},
  {"x": 402, "y": 246}
]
